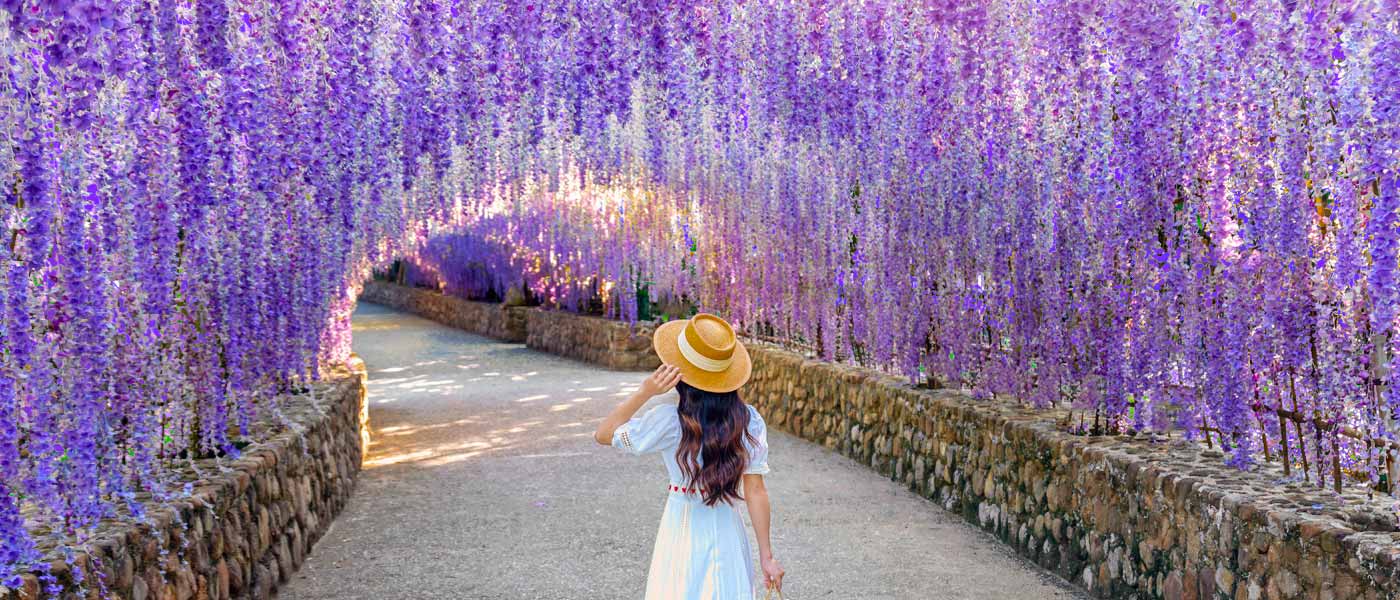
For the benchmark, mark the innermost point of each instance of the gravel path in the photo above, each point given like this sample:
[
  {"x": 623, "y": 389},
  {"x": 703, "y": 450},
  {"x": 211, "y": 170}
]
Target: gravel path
[{"x": 483, "y": 481}]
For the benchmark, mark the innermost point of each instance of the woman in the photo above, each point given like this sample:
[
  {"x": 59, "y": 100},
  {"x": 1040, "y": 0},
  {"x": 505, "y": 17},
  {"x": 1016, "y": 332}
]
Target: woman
[{"x": 709, "y": 442}]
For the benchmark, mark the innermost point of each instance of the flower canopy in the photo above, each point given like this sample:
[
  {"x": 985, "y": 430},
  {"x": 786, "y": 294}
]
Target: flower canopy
[{"x": 1174, "y": 213}]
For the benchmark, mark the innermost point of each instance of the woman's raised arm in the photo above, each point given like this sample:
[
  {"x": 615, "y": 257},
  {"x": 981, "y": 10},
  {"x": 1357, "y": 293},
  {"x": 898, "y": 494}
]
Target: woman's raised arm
[{"x": 659, "y": 382}]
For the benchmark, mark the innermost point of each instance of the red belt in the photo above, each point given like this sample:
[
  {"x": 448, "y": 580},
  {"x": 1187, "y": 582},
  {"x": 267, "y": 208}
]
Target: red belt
[{"x": 676, "y": 488}]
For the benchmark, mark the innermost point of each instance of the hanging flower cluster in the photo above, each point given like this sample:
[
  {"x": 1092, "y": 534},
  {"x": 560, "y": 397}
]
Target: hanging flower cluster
[
  {"x": 189, "y": 193},
  {"x": 1177, "y": 213}
]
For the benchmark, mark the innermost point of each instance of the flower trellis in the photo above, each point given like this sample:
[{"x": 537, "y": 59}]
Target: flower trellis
[{"x": 1177, "y": 212}]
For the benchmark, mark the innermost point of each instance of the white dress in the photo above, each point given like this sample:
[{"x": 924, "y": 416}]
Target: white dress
[{"x": 702, "y": 552}]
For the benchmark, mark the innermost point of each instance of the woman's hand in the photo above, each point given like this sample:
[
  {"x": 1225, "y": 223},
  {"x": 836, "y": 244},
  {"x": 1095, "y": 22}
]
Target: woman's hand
[
  {"x": 772, "y": 573},
  {"x": 660, "y": 381}
]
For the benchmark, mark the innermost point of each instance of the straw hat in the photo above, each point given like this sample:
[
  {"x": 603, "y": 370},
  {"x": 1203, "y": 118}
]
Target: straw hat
[{"x": 705, "y": 349}]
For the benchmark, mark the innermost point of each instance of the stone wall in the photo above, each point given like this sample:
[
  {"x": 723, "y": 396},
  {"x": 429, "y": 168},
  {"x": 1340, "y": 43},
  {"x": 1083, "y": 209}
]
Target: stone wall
[
  {"x": 612, "y": 344},
  {"x": 605, "y": 342},
  {"x": 248, "y": 528},
  {"x": 1124, "y": 518},
  {"x": 1143, "y": 517},
  {"x": 493, "y": 320}
]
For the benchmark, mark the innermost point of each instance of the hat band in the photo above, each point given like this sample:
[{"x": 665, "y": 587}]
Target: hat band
[{"x": 702, "y": 362}]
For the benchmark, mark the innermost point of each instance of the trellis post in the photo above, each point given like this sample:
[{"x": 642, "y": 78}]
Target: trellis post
[{"x": 1380, "y": 369}]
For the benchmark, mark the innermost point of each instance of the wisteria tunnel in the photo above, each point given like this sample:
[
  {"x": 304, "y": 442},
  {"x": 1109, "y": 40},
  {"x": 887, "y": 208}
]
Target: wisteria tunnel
[{"x": 1045, "y": 298}]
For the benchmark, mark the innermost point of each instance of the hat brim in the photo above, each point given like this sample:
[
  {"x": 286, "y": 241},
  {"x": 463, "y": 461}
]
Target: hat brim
[{"x": 667, "y": 345}]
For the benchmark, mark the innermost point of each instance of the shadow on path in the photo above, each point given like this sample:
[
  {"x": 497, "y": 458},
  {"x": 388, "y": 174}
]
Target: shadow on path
[{"x": 483, "y": 481}]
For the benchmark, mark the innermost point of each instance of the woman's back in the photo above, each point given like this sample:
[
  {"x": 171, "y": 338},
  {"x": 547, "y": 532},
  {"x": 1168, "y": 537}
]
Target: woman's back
[{"x": 659, "y": 430}]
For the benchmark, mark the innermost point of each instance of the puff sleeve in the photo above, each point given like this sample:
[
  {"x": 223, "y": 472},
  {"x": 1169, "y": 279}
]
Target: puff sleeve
[
  {"x": 657, "y": 429},
  {"x": 756, "y": 443}
]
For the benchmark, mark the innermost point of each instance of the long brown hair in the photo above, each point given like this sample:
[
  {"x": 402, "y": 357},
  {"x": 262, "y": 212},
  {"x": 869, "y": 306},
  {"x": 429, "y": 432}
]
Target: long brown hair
[{"x": 713, "y": 428}]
